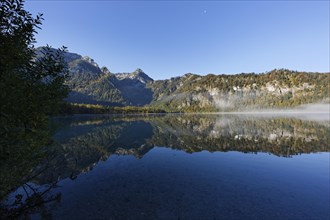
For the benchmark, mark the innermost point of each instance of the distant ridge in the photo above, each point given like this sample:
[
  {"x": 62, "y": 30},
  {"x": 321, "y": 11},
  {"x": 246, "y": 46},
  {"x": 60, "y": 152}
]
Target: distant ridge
[{"x": 279, "y": 88}]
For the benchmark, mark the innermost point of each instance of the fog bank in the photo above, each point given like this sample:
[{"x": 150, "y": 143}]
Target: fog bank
[{"x": 313, "y": 112}]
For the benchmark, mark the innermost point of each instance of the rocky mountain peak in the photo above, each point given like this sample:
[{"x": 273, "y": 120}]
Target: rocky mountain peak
[
  {"x": 90, "y": 60},
  {"x": 138, "y": 75},
  {"x": 105, "y": 70},
  {"x": 141, "y": 76},
  {"x": 139, "y": 71}
]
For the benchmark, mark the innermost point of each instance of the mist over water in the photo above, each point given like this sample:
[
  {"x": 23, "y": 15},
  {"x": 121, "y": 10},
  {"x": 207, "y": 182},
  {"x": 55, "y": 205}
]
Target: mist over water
[
  {"x": 313, "y": 112},
  {"x": 315, "y": 108}
]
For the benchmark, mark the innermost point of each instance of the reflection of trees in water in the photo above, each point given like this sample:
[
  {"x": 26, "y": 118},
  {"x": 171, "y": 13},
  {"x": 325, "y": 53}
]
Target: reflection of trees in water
[
  {"x": 85, "y": 141},
  {"x": 279, "y": 136},
  {"x": 190, "y": 133},
  {"x": 81, "y": 153}
]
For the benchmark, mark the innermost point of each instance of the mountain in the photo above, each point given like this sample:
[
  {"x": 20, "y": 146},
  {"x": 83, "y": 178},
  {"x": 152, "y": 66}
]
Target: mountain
[
  {"x": 278, "y": 88},
  {"x": 91, "y": 84}
]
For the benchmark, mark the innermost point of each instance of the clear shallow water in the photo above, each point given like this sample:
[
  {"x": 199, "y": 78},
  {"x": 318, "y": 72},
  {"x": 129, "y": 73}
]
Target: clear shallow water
[{"x": 188, "y": 167}]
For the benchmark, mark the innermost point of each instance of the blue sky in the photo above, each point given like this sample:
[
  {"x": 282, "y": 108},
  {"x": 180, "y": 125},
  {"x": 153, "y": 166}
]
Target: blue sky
[{"x": 171, "y": 38}]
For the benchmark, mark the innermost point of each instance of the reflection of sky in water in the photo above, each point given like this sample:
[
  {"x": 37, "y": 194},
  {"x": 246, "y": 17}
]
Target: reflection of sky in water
[
  {"x": 178, "y": 167},
  {"x": 169, "y": 184}
]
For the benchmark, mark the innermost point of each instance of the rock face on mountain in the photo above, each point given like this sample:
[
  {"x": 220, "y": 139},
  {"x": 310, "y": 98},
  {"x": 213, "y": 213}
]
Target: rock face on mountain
[
  {"x": 277, "y": 88},
  {"x": 91, "y": 84}
]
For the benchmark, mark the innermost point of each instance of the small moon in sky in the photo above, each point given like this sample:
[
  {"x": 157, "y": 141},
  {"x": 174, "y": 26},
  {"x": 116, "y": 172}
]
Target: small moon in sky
[{"x": 204, "y": 11}]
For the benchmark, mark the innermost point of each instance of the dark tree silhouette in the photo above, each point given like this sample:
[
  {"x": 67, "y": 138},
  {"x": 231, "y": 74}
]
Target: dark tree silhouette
[{"x": 32, "y": 87}]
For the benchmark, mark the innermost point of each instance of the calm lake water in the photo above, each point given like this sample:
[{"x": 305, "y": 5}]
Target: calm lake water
[{"x": 250, "y": 166}]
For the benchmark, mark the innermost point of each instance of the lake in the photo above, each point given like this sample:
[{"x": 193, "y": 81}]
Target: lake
[{"x": 184, "y": 166}]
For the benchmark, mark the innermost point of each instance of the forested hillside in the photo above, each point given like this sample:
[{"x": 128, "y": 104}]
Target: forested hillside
[{"x": 279, "y": 88}]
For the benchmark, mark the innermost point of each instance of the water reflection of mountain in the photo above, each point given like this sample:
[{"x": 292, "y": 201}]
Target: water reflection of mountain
[{"x": 82, "y": 141}]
